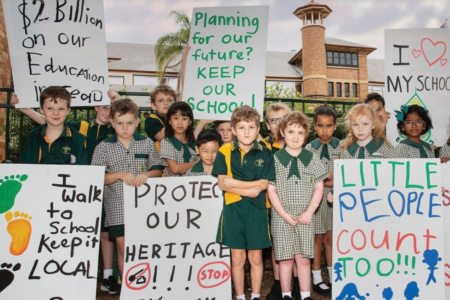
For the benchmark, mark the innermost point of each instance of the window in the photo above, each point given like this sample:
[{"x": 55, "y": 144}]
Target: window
[
  {"x": 346, "y": 59},
  {"x": 330, "y": 89},
  {"x": 338, "y": 89},
  {"x": 355, "y": 90},
  {"x": 116, "y": 80},
  {"x": 153, "y": 80},
  {"x": 347, "y": 89}
]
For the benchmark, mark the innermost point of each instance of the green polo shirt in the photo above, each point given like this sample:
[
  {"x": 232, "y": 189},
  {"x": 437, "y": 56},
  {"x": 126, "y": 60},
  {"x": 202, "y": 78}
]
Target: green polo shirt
[
  {"x": 274, "y": 146},
  {"x": 95, "y": 134},
  {"x": 67, "y": 149},
  {"x": 253, "y": 165},
  {"x": 153, "y": 124}
]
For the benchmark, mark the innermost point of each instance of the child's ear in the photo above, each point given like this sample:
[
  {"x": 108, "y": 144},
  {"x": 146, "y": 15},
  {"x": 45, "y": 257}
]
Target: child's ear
[
  {"x": 153, "y": 106},
  {"x": 196, "y": 150},
  {"x": 138, "y": 121}
]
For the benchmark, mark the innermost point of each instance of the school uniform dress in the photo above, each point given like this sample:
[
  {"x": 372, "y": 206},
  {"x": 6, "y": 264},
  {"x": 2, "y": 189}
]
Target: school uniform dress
[
  {"x": 409, "y": 149},
  {"x": 67, "y": 149},
  {"x": 153, "y": 124},
  {"x": 445, "y": 151},
  {"x": 375, "y": 149},
  {"x": 172, "y": 148},
  {"x": 197, "y": 170},
  {"x": 295, "y": 180},
  {"x": 327, "y": 153},
  {"x": 140, "y": 156}
]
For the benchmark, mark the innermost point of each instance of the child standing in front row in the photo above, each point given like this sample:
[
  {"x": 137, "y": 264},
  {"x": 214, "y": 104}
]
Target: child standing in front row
[
  {"x": 178, "y": 147},
  {"x": 208, "y": 143},
  {"x": 295, "y": 195},
  {"x": 365, "y": 138},
  {"x": 414, "y": 121},
  {"x": 326, "y": 147}
]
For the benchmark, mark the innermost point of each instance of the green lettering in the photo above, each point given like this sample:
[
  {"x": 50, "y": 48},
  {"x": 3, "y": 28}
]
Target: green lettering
[
  {"x": 224, "y": 72},
  {"x": 230, "y": 88},
  {"x": 390, "y": 271},
  {"x": 189, "y": 100},
  {"x": 232, "y": 107},
  {"x": 361, "y": 172},
  {"x": 213, "y": 73},
  {"x": 429, "y": 185},
  {"x": 198, "y": 17},
  {"x": 357, "y": 269},
  {"x": 212, "y": 20},
  {"x": 344, "y": 264},
  {"x": 214, "y": 106},
  {"x": 200, "y": 73},
  {"x": 224, "y": 109},
  {"x": 375, "y": 173},
  {"x": 198, "y": 105},
  {"x": 343, "y": 178},
  {"x": 238, "y": 70},
  {"x": 394, "y": 163},
  {"x": 408, "y": 185}
]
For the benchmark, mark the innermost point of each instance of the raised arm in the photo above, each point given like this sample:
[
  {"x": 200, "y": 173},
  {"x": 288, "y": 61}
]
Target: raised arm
[{"x": 31, "y": 113}]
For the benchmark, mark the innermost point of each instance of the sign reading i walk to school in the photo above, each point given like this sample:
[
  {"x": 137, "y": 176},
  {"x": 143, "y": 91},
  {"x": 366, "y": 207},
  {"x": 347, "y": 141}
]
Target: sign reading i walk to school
[
  {"x": 418, "y": 72},
  {"x": 388, "y": 239},
  {"x": 226, "y": 64},
  {"x": 170, "y": 252},
  {"x": 49, "y": 231},
  {"x": 58, "y": 43}
]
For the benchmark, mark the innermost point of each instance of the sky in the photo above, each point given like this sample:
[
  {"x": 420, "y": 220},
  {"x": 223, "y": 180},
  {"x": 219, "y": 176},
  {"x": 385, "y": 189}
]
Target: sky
[{"x": 358, "y": 21}]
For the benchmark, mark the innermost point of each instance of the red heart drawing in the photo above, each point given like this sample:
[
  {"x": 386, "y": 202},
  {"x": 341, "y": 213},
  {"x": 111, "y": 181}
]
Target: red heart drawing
[
  {"x": 444, "y": 61},
  {"x": 432, "y": 50},
  {"x": 416, "y": 53}
]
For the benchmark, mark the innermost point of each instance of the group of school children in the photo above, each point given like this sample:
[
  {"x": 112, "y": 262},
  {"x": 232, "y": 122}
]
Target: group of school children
[{"x": 281, "y": 171}]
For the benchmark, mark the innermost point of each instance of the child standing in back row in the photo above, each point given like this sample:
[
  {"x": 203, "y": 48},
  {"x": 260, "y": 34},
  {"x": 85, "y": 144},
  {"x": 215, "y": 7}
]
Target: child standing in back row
[{"x": 295, "y": 195}]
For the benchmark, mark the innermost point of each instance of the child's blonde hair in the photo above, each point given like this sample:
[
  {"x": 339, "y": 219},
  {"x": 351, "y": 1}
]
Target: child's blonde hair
[
  {"x": 297, "y": 118},
  {"x": 357, "y": 111},
  {"x": 165, "y": 89},
  {"x": 274, "y": 107}
]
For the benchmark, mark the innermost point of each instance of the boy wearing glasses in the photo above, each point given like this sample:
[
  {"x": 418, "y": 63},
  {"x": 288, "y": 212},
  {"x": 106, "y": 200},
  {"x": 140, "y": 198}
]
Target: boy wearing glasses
[{"x": 274, "y": 113}]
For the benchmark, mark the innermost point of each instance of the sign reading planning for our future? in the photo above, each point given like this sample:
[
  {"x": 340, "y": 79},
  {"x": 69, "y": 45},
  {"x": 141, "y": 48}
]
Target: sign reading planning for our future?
[
  {"x": 226, "y": 63},
  {"x": 58, "y": 43},
  {"x": 388, "y": 235}
]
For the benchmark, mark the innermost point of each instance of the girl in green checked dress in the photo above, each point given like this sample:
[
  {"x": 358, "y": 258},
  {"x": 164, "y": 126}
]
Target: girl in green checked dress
[
  {"x": 295, "y": 195},
  {"x": 326, "y": 147}
]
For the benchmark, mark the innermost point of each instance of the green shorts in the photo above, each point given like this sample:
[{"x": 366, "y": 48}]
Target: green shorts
[
  {"x": 102, "y": 222},
  {"x": 116, "y": 231},
  {"x": 244, "y": 226}
]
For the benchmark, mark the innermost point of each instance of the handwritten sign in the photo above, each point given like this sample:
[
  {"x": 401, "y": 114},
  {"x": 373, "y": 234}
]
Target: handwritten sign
[
  {"x": 170, "y": 251},
  {"x": 226, "y": 64},
  {"x": 50, "y": 231},
  {"x": 388, "y": 239},
  {"x": 446, "y": 203},
  {"x": 417, "y": 72},
  {"x": 58, "y": 43}
]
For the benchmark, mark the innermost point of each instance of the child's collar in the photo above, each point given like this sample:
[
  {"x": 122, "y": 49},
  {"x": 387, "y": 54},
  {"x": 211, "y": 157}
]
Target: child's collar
[
  {"x": 371, "y": 147},
  {"x": 333, "y": 143}
]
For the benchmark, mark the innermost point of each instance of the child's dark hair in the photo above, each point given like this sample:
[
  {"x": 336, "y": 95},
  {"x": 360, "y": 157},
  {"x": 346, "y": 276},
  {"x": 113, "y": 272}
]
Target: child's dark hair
[
  {"x": 422, "y": 113},
  {"x": 122, "y": 107},
  {"x": 185, "y": 111},
  {"x": 374, "y": 97},
  {"x": 54, "y": 92},
  {"x": 209, "y": 135},
  {"x": 165, "y": 89},
  {"x": 324, "y": 110}
]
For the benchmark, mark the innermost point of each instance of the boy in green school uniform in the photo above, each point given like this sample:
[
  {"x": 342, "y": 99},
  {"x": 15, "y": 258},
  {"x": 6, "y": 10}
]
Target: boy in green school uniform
[
  {"x": 55, "y": 142},
  {"x": 244, "y": 168}
]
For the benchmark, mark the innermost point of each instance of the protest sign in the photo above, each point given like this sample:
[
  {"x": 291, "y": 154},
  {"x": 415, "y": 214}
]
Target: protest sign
[
  {"x": 388, "y": 239},
  {"x": 445, "y": 169},
  {"x": 58, "y": 43},
  {"x": 170, "y": 231},
  {"x": 417, "y": 72},
  {"x": 50, "y": 231},
  {"x": 227, "y": 61}
]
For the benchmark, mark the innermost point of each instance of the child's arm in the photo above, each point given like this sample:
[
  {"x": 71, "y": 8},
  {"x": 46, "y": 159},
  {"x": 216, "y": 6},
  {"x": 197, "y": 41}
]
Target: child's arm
[
  {"x": 32, "y": 114},
  {"x": 233, "y": 183},
  {"x": 142, "y": 178},
  {"x": 251, "y": 192},
  {"x": 330, "y": 197},
  {"x": 305, "y": 217},
  {"x": 329, "y": 181},
  {"x": 126, "y": 177},
  {"x": 160, "y": 135},
  {"x": 113, "y": 95},
  {"x": 201, "y": 124},
  {"x": 275, "y": 200},
  {"x": 183, "y": 69},
  {"x": 179, "y": 168}
]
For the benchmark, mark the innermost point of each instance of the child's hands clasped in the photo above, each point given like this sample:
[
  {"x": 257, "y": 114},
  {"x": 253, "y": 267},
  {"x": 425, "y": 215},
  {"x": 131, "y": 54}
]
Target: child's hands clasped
[
  {"x": 290, "y": 219},
  {"x": 253, "y": 192},
  {"x": 305, "y": 218},
  {"x": 131, "y": 180}
]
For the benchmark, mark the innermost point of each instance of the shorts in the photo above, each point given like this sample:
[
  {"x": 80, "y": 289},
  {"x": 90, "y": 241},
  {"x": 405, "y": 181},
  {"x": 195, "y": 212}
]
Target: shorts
[
  {"x": 102, "y": 223},
  {"x": 116, "y": 231}
]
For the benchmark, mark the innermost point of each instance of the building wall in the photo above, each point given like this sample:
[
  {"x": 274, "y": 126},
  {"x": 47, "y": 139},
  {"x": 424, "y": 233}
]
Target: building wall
[{"x": 5, "y": 77}]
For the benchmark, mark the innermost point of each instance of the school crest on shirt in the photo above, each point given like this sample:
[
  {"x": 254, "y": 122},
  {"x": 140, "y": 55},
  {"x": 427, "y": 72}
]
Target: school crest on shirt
[
  {"x": 66, "y": 150},
  {"x": 259, "y": 162}
]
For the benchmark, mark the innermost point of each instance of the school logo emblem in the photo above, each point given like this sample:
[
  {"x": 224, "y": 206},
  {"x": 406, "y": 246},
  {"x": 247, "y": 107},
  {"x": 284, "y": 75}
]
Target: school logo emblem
[
  {"x": 66, "y": 150},
  {"x": 259, "y": 162}
]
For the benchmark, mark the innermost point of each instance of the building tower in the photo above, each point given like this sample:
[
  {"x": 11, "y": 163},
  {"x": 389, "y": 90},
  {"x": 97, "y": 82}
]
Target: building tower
[{"x": 314, "y": 62}]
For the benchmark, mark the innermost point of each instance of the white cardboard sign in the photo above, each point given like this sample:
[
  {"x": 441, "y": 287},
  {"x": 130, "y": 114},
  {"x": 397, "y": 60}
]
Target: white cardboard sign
[
  {"x": 50, "y": 231},
  {"x": 446, "y": 206},
  {"x": 59, "y": 43},
  {"x": 170, "y": 232},
  {"x": 388, "y": 237},
  {"x": 227, "y": 61}
]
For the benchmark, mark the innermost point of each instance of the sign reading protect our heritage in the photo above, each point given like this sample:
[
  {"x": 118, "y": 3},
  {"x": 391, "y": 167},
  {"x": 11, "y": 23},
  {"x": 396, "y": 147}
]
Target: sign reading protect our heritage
[
  {"x": 227, "y": 60},
  {"x": 388, "y": 238},
  {"x": 170, "y": 251},
  {"x": 49, "y": 231},
  {"x": 418, "y": 72},
  {"x": 58, "y": 43}
]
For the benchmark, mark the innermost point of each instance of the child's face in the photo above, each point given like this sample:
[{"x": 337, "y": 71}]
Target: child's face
[
  {"x": 55, "y": 113},
  {"x": 273, "y": 120},
  {"x": 125, "y": 125},
  {"x": 208, "y": 152},
  {"x": 246, "y": 132},
  {"x": 362, "y": 128},
  {"x": 225, "y": 131},
  {"x": 378, "y": 106},
  {"x": 162, "y": 103},
  {"x": 179, "y": 123},
  {"x": 294, "y": 136},
  {"x": 325, "y": 128},
  {"x": 103, "y": 114},
  {"x": 413, "y": 125}
]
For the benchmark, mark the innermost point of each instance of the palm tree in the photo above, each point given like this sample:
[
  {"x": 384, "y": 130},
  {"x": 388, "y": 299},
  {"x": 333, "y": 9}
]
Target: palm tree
[{"x": 171, "y": 45}]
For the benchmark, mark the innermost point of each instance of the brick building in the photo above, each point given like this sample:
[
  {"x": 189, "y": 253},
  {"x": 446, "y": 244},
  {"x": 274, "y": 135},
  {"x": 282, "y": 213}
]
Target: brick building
[{"x": 5, "y": 78}]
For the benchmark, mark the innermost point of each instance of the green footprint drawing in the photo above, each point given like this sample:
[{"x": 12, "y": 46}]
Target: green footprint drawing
[{"x": 9, "y": 188}]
